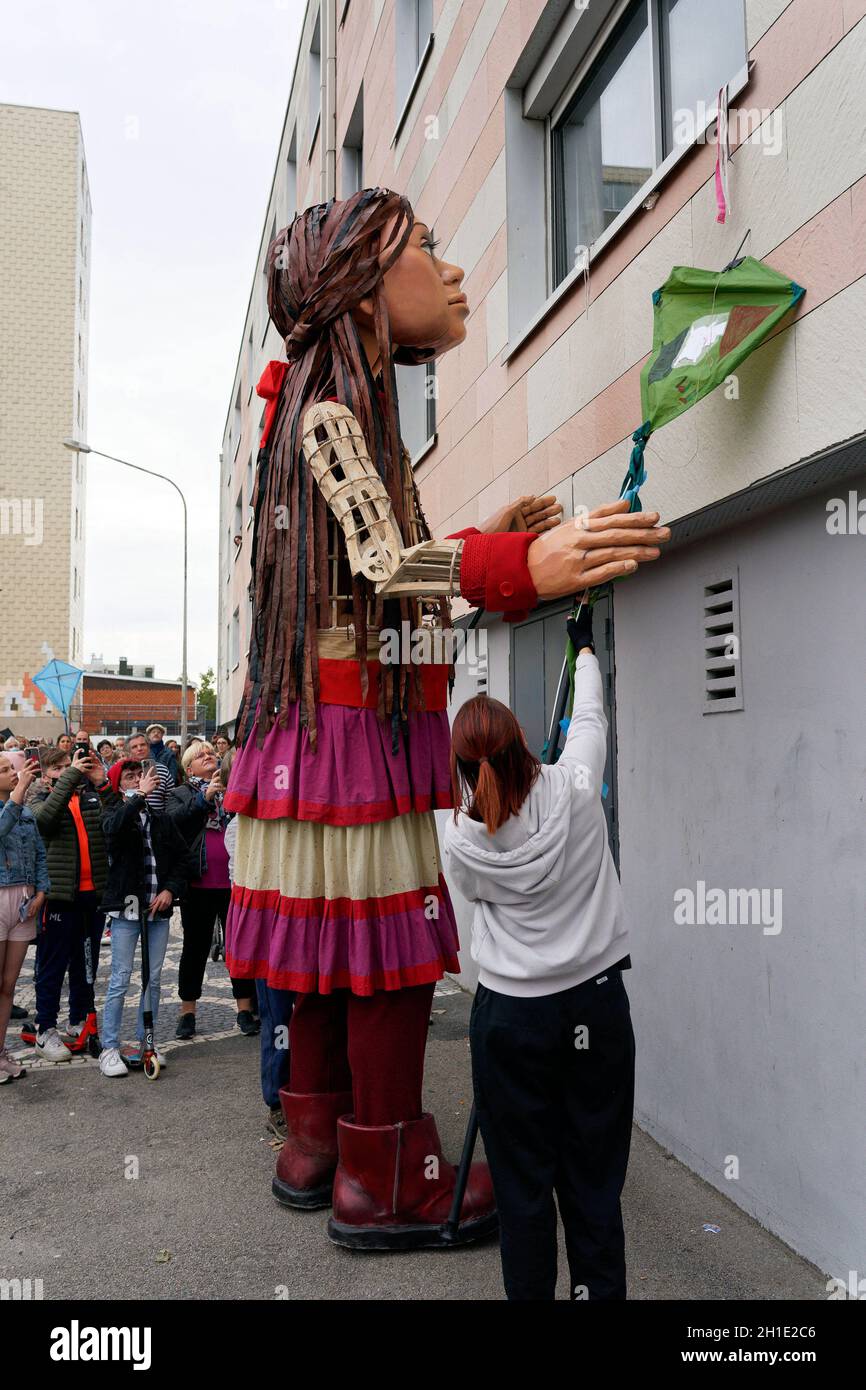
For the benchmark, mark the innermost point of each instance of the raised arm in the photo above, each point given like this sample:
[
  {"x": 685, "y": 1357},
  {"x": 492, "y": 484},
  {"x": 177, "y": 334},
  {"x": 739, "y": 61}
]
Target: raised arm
[{"x": 506, "y": 572}]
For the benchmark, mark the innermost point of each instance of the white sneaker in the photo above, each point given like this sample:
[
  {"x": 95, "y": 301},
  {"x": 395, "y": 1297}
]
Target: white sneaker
[
  {"x": 50, "y": 1045},
  {"x": 111, "y": 1063},
  {"x": 74, "y": 1030}
]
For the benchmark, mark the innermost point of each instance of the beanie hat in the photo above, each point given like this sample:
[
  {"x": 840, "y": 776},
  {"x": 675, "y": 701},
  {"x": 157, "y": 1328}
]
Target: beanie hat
[{"x": 117, "y": 768}]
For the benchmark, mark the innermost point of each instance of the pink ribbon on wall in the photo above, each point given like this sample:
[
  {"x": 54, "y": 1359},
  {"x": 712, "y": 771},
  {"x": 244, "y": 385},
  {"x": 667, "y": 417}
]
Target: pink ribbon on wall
[{"x": 723, "y": 155}]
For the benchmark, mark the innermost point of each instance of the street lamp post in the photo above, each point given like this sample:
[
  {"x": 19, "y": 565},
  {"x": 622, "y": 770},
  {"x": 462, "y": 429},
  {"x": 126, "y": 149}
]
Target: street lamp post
[{"x": 79, "y": 448}]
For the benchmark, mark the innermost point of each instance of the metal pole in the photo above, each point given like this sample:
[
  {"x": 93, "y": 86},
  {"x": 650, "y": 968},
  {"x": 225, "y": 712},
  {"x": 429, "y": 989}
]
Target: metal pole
[{"x": 184, "y": 677}]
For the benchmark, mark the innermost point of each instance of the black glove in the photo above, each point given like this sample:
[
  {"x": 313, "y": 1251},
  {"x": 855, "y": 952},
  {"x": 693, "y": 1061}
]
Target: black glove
[{"x": 580, "y": 629}]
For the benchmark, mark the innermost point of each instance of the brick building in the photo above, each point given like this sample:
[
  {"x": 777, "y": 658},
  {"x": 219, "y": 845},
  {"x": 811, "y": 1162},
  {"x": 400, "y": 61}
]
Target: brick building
[
  {"x": 114, "y": 704},
  {"x": 45, "y": 214}
]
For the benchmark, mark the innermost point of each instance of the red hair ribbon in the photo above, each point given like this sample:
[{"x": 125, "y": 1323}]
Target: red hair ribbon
[{"x": 269, "y": 387}]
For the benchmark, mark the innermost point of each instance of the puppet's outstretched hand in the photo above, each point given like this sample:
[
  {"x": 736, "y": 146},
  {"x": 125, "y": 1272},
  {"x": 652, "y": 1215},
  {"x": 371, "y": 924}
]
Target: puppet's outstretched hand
[
  {"x": 586, "y": 551},
  {"x": 528, "y": 513}
]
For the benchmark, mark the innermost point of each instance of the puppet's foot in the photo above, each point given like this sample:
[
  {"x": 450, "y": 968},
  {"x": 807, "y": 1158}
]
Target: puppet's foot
[
  {"x": 393, "y": 1190},
  {"x": 307, "y": 1160}
]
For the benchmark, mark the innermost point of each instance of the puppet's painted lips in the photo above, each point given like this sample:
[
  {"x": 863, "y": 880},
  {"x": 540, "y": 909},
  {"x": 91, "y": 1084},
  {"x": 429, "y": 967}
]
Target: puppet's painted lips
[{"x": 461, "y": 299}]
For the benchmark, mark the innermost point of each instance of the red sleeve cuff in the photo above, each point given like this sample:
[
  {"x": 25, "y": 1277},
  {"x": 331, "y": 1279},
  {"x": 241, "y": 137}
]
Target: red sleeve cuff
[
  {"x": 494, "y": 573},
  {"x": 461, "y": 535}
]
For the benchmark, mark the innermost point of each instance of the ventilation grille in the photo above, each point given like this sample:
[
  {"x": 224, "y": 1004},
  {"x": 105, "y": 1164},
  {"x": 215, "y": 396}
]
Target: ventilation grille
[{"x": 722, "y": 656}]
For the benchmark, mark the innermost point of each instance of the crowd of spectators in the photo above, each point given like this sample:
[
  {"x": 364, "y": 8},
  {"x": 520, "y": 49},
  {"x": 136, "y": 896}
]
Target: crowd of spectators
[{"x": 99, "y": 842}]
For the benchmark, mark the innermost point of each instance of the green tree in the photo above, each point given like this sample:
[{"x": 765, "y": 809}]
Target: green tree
[{"x": 207, "y": 692}]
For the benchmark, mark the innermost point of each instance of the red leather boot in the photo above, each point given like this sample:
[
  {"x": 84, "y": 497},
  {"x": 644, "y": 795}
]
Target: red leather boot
[
  {"x": 393, "y": 1190},
  {"x": 306, "y": 1162}
]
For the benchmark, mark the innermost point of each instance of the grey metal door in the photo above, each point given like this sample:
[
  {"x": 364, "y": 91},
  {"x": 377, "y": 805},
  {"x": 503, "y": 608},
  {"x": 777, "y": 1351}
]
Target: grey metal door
[{"x": 537, "y": 651}]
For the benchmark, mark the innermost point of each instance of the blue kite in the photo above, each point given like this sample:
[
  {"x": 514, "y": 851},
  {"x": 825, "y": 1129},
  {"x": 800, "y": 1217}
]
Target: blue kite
[{"x": 59, "y": 681}]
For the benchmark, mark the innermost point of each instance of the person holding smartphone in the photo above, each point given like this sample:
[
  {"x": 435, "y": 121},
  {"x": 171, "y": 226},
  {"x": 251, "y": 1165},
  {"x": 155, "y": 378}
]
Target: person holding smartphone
[
  {"x": 24, "y": 883},
  {"x": 550, "y": 1034},
  {"x": 148, "y": 869},
  {"x": 69, "y": 812},
  {"x": 138, "y": 749},
  {"x": 197, "y": 807}
]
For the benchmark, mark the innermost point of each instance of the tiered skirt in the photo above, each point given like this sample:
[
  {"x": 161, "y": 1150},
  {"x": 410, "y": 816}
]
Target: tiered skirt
[{"x": 338, "y": 877}]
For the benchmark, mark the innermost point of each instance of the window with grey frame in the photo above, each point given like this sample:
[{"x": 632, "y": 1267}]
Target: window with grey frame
[
  {"x": 413, "y": 32},
  {"x": 314, "y": 78},
  {"x": 661, "y": 61},
  {"x": 352, "y": 169},
  {"x": 416, "y": 389},
  {"x": 292, "y": 178}
]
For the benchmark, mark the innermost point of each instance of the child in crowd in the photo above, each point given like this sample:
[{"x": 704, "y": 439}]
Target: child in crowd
[
  {"x": 148, "y": 869},
  {"x": 68, "y": 811}
]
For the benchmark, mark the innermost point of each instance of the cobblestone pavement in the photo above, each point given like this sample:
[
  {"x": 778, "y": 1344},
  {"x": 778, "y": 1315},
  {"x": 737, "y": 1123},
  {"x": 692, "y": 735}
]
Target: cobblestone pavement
[{"x": 215, "y": 1015}]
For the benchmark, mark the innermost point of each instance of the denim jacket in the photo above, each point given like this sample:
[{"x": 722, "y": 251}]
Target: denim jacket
[{"x": 22, "y": 853}]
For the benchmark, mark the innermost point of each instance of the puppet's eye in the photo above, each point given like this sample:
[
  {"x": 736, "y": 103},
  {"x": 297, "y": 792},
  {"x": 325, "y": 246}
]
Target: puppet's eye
[{"x": 431, "y": 243}]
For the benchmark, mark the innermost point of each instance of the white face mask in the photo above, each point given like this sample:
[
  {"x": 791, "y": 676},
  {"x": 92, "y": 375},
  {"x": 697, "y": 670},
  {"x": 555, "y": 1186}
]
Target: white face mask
[{"x": 130, "y": 791}]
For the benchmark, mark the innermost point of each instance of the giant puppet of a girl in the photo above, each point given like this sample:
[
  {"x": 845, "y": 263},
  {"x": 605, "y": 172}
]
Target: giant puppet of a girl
[{"x": 339, "y": 892}]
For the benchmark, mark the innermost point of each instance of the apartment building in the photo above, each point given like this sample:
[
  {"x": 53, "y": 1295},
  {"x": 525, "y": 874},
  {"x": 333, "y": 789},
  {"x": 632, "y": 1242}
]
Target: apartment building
[
  {"x": 45, "y": 214},
  {"x": 565, "y": 154}
]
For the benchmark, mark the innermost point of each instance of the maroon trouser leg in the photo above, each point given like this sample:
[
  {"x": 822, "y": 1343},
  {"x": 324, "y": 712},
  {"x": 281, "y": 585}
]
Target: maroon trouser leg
[{"x": 373, "y": 1045}]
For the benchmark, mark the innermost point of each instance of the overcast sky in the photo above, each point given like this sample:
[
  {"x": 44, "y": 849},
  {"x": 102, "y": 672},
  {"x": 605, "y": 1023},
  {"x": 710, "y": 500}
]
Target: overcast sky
[{"x": 182, "y": 104}]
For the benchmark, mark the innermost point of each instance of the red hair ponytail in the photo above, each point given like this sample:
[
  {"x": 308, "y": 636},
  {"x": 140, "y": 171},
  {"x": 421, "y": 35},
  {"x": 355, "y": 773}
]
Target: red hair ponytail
[{"x": 490, "y": 762}]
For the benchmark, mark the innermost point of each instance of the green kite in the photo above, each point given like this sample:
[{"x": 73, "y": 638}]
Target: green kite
[{"x": 705, "y": 323}]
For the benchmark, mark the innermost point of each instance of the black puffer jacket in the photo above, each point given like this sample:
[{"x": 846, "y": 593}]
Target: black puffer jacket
[
  {"x": 124, "y": 836},
  {"x": 57, "y": 828},
  {"x": 190, "y": 812}
]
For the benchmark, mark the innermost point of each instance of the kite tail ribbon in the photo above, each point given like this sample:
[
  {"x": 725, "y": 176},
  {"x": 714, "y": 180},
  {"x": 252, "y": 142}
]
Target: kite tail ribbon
[
  {"x": 636, "y": 475},
  {"x": 631, "y": 485}
]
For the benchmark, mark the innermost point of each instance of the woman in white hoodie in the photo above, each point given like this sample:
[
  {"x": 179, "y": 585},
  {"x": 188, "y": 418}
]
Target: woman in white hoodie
[{"x": 551, "y": 1035}]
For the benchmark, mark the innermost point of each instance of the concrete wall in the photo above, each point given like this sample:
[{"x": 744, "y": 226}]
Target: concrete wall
[
  {"x": 44, "y": 300},
  {"x": 750, "y": 1043}
]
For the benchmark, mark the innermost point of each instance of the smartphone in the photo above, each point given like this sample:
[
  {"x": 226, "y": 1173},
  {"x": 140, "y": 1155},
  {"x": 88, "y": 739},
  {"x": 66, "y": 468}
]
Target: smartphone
[
  {"x": 81, "y": 748},
  {"x": 34, "y": 755},
  {"x": 146, "y": 765}
]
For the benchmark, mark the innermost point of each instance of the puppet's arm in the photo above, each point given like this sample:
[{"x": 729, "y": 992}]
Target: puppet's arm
[{"x": 485, "y": 569}]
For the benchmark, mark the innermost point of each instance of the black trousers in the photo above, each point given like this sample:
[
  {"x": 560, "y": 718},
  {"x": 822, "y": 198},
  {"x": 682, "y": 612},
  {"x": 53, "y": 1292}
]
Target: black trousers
[
  {"x": 554, "y": 1087},
  {"x": 198, "y": 912},
  {"x": 60, "y": 947}
]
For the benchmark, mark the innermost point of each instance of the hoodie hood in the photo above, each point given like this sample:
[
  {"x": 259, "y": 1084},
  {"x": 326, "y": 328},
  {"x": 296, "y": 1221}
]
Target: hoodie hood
[{"x": 525, "y": 855}]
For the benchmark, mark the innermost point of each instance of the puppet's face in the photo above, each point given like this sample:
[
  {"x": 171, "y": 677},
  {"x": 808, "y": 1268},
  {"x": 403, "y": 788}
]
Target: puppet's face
[{"x": 426, "y": 306}]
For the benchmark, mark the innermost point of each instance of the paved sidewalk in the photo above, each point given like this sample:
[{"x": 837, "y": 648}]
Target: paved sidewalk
[{"x": 199, "y": 1221}]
